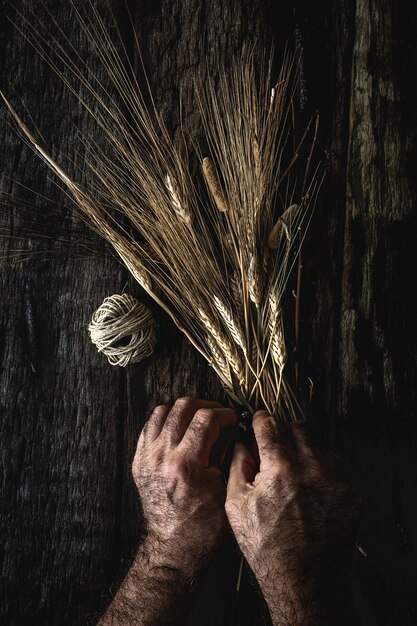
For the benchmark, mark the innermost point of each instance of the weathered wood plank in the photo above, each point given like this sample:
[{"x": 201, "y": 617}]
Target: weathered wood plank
[
  {"x": 362, "y": 344},
  {"x": 60, "y": 410},
  {"x": 378, "y": 338}
]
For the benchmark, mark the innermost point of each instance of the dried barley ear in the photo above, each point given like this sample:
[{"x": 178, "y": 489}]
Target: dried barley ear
[
  {"x": 213, "y": 183},
  {"x": 283, "y": 228}
]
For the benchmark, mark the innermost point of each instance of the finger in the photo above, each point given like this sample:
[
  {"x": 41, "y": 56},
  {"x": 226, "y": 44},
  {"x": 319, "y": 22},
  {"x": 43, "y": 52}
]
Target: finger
[
  {"x": 204, "y": 430},
  {"x": 155, "y": 423},
  {"x": 242, "y": 471},
  {"x": 181, "y": 415},
  {"x": 149, "y": 434},
  {"x": 274, "y": 441}
]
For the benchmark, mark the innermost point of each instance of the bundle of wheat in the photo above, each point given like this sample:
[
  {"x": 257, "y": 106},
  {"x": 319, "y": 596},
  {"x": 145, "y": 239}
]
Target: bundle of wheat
[{"x": 217, "y": 261}]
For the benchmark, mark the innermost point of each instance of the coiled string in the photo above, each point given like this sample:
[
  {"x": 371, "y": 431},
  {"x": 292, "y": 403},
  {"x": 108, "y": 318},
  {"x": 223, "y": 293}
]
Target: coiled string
[{"x": 123, "y": 329}]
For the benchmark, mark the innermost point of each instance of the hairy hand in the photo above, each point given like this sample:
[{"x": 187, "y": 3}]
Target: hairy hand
[
  {"x": 182, "y": 495},
  {"x": 292, "y": 519}
]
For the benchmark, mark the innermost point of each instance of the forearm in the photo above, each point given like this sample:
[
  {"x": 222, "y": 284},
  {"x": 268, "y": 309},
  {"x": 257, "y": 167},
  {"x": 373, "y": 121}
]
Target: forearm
[{"x": 152, "y": 594}]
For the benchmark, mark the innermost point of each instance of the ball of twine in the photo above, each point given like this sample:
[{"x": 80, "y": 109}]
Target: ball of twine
[{"x": 123, "y": 329}]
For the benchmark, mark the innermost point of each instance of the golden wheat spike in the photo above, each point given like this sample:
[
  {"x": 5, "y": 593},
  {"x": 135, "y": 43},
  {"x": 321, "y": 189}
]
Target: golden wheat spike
[
  {"x": 177, "y": 205},
  {"x": 275, "y": 329},
  {"x": 232, "y": 325},
  {"x": 227, "y": 347}
]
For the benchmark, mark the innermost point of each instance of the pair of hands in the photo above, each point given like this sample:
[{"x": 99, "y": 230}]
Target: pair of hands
[{"x": 290, "y": 516}]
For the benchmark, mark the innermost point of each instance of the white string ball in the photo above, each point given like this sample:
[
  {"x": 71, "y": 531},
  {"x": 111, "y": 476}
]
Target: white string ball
[{"x": 123, "y": 329}]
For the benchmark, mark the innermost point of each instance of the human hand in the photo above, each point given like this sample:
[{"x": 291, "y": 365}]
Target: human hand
[
  {"x": 292, "y": 520},
  {"x": 182, "y": 495}
]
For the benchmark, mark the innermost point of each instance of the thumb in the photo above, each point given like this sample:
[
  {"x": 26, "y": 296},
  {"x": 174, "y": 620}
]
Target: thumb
[{"x": 242, "y": 470}]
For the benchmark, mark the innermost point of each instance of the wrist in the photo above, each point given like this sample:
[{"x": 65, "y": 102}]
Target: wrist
[
  {"x": 290, "y": 589},
  {"x": 162, "y": 561},
  {"x": 293, "y": 604},
  {"x": 154, "y": 591}
]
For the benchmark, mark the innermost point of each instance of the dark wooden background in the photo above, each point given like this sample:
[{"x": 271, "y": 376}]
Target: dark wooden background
[{"x": 69, "y": 422}]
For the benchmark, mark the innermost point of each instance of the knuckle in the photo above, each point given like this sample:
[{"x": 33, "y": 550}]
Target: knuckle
[
  {"x": 203, "y": 422},
  {"x": 197, "y": 429},
  {"x": 205, "y": 416},
  {"x": 184, "y": 402}
]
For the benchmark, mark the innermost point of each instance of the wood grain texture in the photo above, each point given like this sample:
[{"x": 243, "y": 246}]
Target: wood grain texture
[
  {"x": 69, "y": 518},
  {"x": 378, "y": 340},
  {"x": 60, "y": 402},
  {"x": 362, "y": 353}
]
